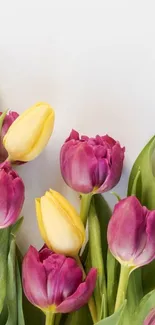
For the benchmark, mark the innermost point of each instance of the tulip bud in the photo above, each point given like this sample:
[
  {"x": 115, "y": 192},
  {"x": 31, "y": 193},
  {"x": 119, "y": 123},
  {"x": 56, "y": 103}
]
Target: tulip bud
[
  {"x": 11, "y": 195},
  {"x": 131, "y": 233},
  {"x": 54, "y": 282},
  {"x": 29, "y": 134},
  {"x": 8, "y": 120},
  {"x": 91, "y": 164},
  {"x": 60, "y": 225},
  {"x": 150, "y": 319}
]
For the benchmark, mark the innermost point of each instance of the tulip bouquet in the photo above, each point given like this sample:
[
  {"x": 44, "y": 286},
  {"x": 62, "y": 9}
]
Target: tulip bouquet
[{"x": 96, "y": 266}]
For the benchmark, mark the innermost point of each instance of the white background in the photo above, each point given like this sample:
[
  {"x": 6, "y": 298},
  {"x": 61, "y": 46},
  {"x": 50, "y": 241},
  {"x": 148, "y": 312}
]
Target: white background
[{"x": 94, "y": 62}]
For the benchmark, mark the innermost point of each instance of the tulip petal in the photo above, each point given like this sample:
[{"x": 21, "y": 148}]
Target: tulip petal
[
  {"x": 64, "y": 281},
  {"x": 3, "y": 196},
  {"x": 63, "y": 230},
  {"x": 78, "y": 163},
  {"x": 39, "y": 119},
  {"x": 148, "y": 253},
  {"x": 34, "y": 279},
  {"x": 115, "y": 168},
  {"x": 15, "y": 200},
  {"x": 81, "y": 295},
  {"x": 126, "y": 230}
]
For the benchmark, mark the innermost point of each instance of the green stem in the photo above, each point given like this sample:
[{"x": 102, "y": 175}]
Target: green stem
[
  {"x": 91, "y": 303},
  {"x": 122, "y": 287},
  {"x": 85, "y": 204},
  {"x": 50, "y": 318}
]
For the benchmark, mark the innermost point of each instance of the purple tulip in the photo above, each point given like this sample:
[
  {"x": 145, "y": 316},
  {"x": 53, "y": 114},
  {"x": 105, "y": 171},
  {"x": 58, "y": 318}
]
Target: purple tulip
[
  {"x": 131, "y": 233},
  {"x": 91, "y": 164},
  {"x": 54, "y": 281},
  {"x": 8, "y": 120},
  {"x": 150, "y": 319},
  {"x": 11, "y": 195}
]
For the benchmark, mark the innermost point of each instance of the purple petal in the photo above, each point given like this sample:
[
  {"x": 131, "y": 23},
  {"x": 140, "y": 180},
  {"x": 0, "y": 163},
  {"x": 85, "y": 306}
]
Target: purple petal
[
  {"x": 64, "y": 281},
  {"x": 74, "y": 135},
  {"x": 8, "y": 120},
  {"x": 115, "y": 170},
  {"x": 78, "y": 164},
  {"x": 148, "y": 253},
  {"x": 126, "y": 231},
  {"x": 15, "y": 200},
  {"x": 81, "y": 295},
  {"x": 34, "y": 279}
]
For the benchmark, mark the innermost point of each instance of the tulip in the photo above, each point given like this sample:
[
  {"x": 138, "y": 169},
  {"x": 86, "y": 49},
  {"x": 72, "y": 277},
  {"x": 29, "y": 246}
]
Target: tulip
[
  {"x": 60, "y": 225},
  {"x": 29, "y": 134},
  {"x": 131, "y": 233},
  {"x": 8, "y": 120},
  {"x": 53, "y": 282},
  {"x": 91, "y": 165},
  {"x": 11, "y": 195},
  {"x": 131, "y": 239},
  {"x": 150, "y": 319}
]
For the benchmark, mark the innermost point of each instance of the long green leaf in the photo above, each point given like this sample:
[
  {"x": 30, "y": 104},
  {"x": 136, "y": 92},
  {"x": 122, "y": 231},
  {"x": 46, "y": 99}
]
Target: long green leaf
[
  {"x": 115, "y": 319},
  {"x": 95, "y": 251},
  {"x": 4, "y": 243},
  {"x": 104, "y": 213},
  {"x": 11, "y": 296}
]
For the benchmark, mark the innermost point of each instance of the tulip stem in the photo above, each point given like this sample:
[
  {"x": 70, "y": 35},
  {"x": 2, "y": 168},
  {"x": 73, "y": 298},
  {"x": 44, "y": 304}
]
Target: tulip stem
[
  {"x": 122, "y": 287},
  {"x": 91, "y": 303},
  {"x": 85, "y": 205},
  {"x": 50, "y": 316}
]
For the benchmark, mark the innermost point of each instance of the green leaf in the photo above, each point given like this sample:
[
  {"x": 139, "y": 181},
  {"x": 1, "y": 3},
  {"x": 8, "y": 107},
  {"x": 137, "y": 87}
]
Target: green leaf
[
  {"x": 146, "y": 304},
  {"x": 135, "y": 290},
  {"x": 11, "y": 296},
  {"x": 15, "y": 228},
  {"x": 113, "y": 272},
  {"x": 95, "y": 251},
  {"x": 20, "y": 314},
  {"x": 80, "y": 317},
  {"x": 4, "y": 242},
  {"x": 104, "y": 213},
  {"x": 115, "y": 319},
  {"x": 144, "y": 165}
]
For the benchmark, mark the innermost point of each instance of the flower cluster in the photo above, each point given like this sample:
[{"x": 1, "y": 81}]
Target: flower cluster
[{"x": 76, "y": 267}]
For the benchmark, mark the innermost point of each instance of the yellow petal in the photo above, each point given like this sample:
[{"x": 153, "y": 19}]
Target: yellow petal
[
  {"x": 40, "y": 223},
  {"x": 30, "y": 132},
  {"x": 63, "y": 229}
]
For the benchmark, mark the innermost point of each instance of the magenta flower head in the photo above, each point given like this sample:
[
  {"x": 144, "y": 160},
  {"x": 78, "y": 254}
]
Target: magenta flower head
[
  {"x": 91, "y": 164},
  {"x": 8, "y": 120},
  {"x": 11, "y": 195},
  {"x": 54, "y": 282},
  {"x": 131, "y": 233},
  {"x": 150, "y": 319}
]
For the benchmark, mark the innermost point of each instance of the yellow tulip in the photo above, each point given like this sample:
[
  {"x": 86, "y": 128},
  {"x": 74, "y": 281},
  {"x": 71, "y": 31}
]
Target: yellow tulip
[
  {"x": 60, "y": 225},
  {"x": 29, "y": 133}
]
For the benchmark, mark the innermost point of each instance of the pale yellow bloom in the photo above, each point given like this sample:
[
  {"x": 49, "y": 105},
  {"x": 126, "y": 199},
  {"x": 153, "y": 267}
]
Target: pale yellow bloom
[
  {"x": 60, "y": 225},
  {"x": 29, "y": 133}
]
